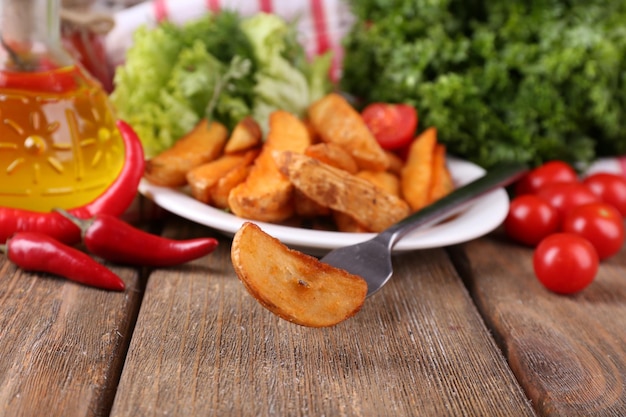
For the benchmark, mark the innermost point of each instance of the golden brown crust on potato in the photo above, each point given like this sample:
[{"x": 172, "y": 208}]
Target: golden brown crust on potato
[
  {"x": 203, "y": 144},
  {"x": 307, "y": 208},
  {"x": 442, "y": 183},
  {"x": 266, "y": 195},
  {"x": 334, "y": 155},
  {"x": 336, "y": 121},
  {"x": 395, "y": 163},
  {"x": 246, "y": 135},
  {"x": 204, "y": 178},
  {"x": 348, "y": 224},
  {"x": 417, "y": 172},
  {"x": 370, "y": 205},
  {"x": 221, "y": 191},
  {"x": 295, "y": 286},
  {"x": 382, "y": 179},
  {"x": 335, "y": 134}
]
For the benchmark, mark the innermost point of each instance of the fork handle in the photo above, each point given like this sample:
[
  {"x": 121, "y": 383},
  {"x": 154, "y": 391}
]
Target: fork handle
[{"x": 500, "y": 176}]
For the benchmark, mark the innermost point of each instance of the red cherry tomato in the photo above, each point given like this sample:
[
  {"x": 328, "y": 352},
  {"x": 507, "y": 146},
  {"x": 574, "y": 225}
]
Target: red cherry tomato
[
  {"x": 599, "y": 223},
  {"x": 564, "y": 196},
  {"x": 552, "y": 171},
  {"x": 565, "y": 263},
  {"x": 530, "y": 219},
  {"x": 611, "y": 188},
  {"x": 393, "y": 125}
]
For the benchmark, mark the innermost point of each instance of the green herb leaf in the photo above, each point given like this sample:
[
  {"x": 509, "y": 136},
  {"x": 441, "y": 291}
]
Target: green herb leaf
[{"x": 501, "y": 80}]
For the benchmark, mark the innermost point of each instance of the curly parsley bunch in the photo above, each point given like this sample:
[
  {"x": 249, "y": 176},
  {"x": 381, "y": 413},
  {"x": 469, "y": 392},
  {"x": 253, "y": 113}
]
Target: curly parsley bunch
[{"x": 502, "y": 80}]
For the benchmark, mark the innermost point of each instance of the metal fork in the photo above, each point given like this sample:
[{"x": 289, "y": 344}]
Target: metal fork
[{"x": 372, "y": 259}]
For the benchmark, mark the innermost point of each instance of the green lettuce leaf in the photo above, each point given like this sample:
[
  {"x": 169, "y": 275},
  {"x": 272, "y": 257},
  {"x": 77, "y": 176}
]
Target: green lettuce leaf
[
  {"x": 221, "y": 67},
  {"x": 170, "y": 76},
  {"x": 284, "y": 79}
]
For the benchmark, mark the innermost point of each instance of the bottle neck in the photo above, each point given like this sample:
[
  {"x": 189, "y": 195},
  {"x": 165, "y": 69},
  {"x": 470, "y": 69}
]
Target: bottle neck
[{"x": 30, "y": 36}]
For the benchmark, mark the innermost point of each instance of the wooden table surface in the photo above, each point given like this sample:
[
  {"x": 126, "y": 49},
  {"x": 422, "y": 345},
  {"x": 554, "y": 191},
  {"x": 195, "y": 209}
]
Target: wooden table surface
[{"x": 459, "y": 331}]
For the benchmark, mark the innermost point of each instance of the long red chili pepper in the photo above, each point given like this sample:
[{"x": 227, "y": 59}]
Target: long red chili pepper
[
  {"x": 114, "y": 240},
  {"x": 33, "y": 251},
  {"x": 115, "y": 199}
]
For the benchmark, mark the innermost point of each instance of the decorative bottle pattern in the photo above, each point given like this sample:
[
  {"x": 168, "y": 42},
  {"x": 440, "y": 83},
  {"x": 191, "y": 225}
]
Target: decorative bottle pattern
[{"x": 57, "y": 149}]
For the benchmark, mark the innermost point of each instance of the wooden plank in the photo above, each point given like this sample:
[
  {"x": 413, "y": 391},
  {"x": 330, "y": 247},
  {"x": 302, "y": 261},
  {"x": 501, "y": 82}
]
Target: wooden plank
[
  {"x": 568, "y": 352},
  {"x": 203, "y": 346},
  {"x": 62, "y": 344}
]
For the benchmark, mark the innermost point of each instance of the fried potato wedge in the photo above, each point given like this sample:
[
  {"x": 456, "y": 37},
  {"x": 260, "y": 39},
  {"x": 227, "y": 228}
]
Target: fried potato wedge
[
  {"x": 348, "y": 224},
  {"x": 370, "y": 205},
  {"x": 203, "y": 144},
  {"x": 395, "y": 163},
  {"x": 417, "y": 173},
  {"x": 266, "y": 195},
  {"x": 204, "y": 178},
  {"x": 383, "y": 179},
  {"x": 307, "y": 208},
  {"x": 333, "y": 154},
  {"x": 442, "y": 183},
  {"x": 221, "y": 191},
  {"x": 246, "y": 135},
  {"x": 294, "y": 286},
  {"x": 336, "y": 121}
]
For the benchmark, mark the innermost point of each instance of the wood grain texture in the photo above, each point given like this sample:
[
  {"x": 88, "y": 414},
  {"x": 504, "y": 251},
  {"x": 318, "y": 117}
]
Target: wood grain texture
[
  {"x": 568, "y": 352},
  {"x": 61, "y": 344},
  {"x": 203, "y": 346}
]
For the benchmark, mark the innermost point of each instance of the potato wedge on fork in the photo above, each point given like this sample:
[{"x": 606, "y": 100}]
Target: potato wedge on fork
[{"x": 295, "y": 286}]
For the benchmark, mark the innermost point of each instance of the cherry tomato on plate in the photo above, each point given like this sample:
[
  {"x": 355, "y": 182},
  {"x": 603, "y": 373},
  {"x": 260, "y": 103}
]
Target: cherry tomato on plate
[
  {"x": 530, "y": 219},
  {"x": 599, "y": 223},
  {"x": 565, "y": 263},
  {"x": 393, "y": 125},
  {"x": 611, "y": 188},
  {"x": 564, "y": 196},
  {"x": 552, "y": 171}
]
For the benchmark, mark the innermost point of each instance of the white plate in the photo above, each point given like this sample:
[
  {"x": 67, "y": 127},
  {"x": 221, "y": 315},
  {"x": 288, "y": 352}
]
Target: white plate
[{"x": 483, "y": 216}]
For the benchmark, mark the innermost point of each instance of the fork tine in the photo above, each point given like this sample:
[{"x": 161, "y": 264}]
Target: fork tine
[{"x": 370, "y": 260}]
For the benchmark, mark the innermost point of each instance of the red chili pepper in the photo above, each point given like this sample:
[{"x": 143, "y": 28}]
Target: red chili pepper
[
  {"x": 114, "y": 201},
  {"x": 33, "y": 251},
  {"x": 114, "y": 240}
]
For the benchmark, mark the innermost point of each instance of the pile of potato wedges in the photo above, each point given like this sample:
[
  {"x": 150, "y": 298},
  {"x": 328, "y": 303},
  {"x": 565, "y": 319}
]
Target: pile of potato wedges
[{"x": 327, "y": 170}]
